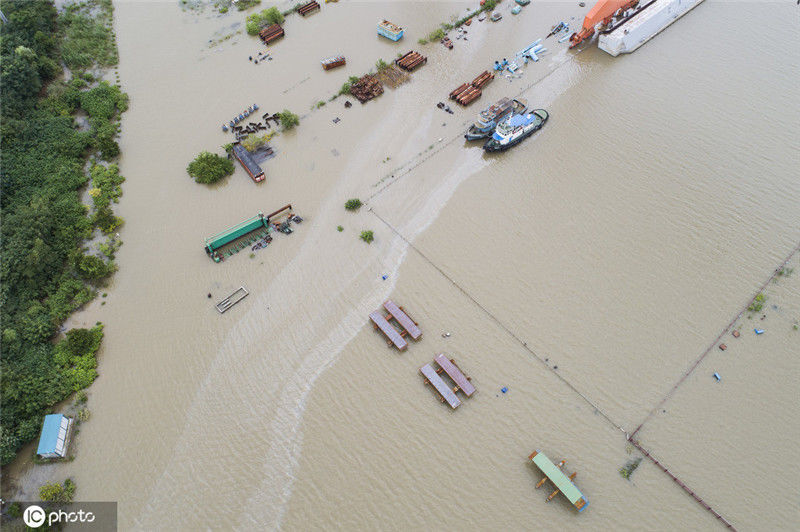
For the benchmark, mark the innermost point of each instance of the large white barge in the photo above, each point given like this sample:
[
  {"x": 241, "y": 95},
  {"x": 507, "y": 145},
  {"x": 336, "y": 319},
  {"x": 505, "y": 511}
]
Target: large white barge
[{"x": 646, "y": 23}]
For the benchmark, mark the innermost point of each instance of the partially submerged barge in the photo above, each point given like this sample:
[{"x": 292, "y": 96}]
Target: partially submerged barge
[
  {"x": 243, "y": 234},
  {"x": 393, "y": 32},
  {"x": 248, "y": 163},
  {"x": 333, "y": 62}
]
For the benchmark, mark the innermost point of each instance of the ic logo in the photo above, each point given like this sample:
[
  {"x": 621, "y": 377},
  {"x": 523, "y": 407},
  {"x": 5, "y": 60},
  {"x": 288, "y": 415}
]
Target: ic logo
[{"x": 34, "y": 516}]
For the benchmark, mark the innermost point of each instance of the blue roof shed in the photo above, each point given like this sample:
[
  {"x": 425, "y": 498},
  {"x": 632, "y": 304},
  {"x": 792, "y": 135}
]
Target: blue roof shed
[{"x": 55, "y": 436}]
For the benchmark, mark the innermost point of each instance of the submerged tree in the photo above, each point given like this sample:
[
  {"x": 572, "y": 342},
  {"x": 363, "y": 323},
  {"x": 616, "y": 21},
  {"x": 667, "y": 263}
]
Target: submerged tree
[
  {"x": 209, "y": 168},
  {"x": 288, "y": 119}
]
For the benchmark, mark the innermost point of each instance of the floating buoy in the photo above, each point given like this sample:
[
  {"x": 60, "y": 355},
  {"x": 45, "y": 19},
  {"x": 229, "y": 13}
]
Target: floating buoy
[
  {"x": 504, "y": 389},
  {"x": 384, "y": 277}
]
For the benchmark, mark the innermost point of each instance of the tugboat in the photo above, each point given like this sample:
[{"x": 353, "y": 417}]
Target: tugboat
[
  {"x": 490, "y": 117},
  {"x": 515, "y": 129}
]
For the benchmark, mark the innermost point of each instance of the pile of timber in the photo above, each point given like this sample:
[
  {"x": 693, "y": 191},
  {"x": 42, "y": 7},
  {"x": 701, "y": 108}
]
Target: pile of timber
[
  {"x": 392, "y": 76},
  {"x": 366, "y": 88},
  {"x": 271, "y": 33},
  {"x": 466, "y": 93},
  {"x": 411, "y": 60},
  {"x": 308, "y": 8}
]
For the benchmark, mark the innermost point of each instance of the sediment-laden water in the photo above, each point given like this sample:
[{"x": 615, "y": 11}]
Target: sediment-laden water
[{"x": 615, "y": 243}]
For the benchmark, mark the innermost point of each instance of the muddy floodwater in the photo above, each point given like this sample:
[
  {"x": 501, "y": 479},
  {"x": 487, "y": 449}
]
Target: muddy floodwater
[{"x": 585, "y": 271}]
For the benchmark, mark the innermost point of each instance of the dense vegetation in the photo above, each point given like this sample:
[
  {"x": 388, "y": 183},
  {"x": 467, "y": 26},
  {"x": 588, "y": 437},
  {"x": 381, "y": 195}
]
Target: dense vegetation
[
  {"x": 288, "y": 119},
  {"x": 348, "y": 85},
  {"x": 209, "y": 167},
  {"x": 256, "y": 21},
  {"x": 54, "y": 492},
  {"x": 47, "y": 269}
]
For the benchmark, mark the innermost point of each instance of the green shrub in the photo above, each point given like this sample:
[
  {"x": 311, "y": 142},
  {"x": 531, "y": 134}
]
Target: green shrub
[
  {"x": 758, "y": 303},
  {"x": 630, "y": 467},
  {"x": 254, "y": 142},
  {"x": 367, "y": 236},
  {"x": 381, "y": 65},
  {"x": 348, "y": 85},
  {"x": 209, "y": 168},
  {"x": 15, "y": 510},
  {"x": 243, "y": 5},
  {"x": 339, "y": 228},
  {"x": 352, "y": 204},
  {"x": 436, "y": 35},
  {"x": 288, "y": 119},
  {"x": 54, "y": 492}
]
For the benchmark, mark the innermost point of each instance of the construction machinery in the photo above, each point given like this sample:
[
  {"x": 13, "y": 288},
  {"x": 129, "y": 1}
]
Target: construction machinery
[{"x": 602, "y": 13}]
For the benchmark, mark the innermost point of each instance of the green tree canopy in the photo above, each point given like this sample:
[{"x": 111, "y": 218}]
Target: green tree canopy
[{"x": 209, "y": 167}]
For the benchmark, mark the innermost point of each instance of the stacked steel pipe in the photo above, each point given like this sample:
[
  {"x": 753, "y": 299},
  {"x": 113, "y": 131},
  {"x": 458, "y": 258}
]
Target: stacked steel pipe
[
  {"x": 467, "y": 93},
  {"x": 308, "y": 8},
  {"x": 411, "y": 60},
  {"x": 271, "y": 33}
]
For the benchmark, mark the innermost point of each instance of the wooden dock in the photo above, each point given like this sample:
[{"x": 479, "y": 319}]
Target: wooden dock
[
  {"x": 402, "y": 318},
  {"x": 237, "y": 295},
  {"x": 461, "y": 380},
  {"x": 444, "y": 390},
  {"x": 387, "y": 329}
]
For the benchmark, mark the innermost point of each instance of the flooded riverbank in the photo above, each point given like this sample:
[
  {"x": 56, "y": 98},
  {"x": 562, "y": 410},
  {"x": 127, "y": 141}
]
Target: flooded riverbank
[{"x": 615, "y": 243}]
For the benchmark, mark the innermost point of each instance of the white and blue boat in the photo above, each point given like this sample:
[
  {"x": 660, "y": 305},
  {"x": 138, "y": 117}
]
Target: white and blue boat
[
  {"x": 491, "y": 116},
  {"x": 515, "y": 129}
]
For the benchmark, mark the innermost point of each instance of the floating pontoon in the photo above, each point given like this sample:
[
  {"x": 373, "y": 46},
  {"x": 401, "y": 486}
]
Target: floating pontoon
[
  {"x": 407, "y": 326},
  {"x": 562, "y": 483}
]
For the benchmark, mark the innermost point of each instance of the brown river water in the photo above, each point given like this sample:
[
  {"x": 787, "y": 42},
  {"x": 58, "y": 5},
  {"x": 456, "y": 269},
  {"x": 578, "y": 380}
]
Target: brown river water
[{"x": 586, "y": 270}]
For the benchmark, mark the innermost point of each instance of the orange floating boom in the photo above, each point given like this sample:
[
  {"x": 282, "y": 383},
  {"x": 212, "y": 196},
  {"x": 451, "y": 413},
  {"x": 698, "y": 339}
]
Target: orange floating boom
[{"x": 600, "y": 13}]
